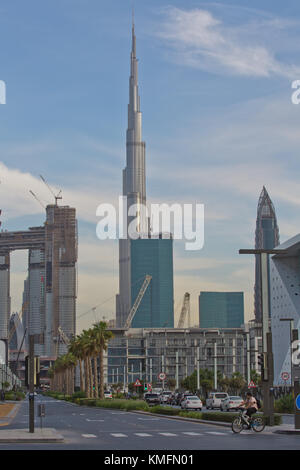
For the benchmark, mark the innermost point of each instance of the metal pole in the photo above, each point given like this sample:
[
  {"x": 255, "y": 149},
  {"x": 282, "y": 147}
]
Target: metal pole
[
  {"x": 31, "y": 383},
  {"x": 198, "y": 368},
  {"x": 163, "y": 368},
  {"x": 177, "y": 371},
  {"x": 141, "y": 371},
  {"x": 248, "y": 357},
  {"x": 151, "y": 370},
  {"x": 215, "y": 366}
]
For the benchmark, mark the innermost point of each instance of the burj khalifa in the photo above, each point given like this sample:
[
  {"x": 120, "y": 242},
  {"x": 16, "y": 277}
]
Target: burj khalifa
[{"x": 134, "y": 186}]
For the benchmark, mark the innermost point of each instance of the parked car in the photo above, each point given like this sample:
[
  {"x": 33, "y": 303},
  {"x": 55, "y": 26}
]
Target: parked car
[
  {"x": 191, "y": 402},
  {"x": 107, "y": 394},
  {"x": 164, "y": 396},
  {"x": 152, "y": 398},
  {"x": 231, "y": 403},
  {"x": 214, "y": 400}
]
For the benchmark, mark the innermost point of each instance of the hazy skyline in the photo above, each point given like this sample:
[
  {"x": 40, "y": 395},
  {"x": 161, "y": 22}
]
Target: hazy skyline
[{"x": 215, "y": 85}]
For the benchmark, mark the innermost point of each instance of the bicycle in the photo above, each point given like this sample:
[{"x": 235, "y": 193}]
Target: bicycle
[{"x": 255, "y": 423}]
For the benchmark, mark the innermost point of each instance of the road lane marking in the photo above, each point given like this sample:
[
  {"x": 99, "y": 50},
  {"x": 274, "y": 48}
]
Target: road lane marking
[
  {"x": 119, "y": 435},
  {"x": 102, "y": 420},
  {"x": 142, "y": 434},
  {"x": 167, "y": 434},
  {"x": 215, "y": 433},
  {"x": 192, "y": 433},
  {"x": 88, "y": 436}
]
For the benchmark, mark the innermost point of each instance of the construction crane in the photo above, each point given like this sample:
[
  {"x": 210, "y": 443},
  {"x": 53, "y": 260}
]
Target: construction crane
[
  {"x": 61, "y": 336},
  {"x": 37, "y": 199},
  {"x": 56, "y": 196},
  {"x": 137, "y": 301},
  {"x": 185, "y": 311}
]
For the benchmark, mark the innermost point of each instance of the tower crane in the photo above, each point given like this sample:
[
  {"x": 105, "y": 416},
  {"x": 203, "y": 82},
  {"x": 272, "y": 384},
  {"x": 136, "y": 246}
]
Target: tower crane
[
  {"x": 184, "y": 311},
  {"x": 61, "y": 336},
  {"x": 37, "y": 199},
  {"x": 56, "y": 196},
  {"x": 138, "y": 300}
]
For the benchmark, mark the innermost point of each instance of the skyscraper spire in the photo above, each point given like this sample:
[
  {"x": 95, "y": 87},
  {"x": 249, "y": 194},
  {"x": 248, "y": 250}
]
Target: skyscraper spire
[
  {"x": 266, "y": 237},
  {"x": 134, "y": 181}
]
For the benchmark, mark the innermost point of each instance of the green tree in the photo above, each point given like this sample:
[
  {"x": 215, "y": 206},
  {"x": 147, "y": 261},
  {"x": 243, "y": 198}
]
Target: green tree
[{"x": 101, "y": 336}]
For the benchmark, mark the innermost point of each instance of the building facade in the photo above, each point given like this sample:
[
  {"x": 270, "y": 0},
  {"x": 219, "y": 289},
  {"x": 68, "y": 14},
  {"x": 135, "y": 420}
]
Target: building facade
[
  {"x": 144, "y": 353},
  {"x": 221, "y": 309},
  {"x": 50, "y": 290},
  {"x": 153, "y": 257},
  {"x": 266, "y": 237},
  {"x": 285, "y": 304}
]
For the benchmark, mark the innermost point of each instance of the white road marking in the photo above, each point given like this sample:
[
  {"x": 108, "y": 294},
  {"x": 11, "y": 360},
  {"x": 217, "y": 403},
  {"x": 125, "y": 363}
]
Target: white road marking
[
  {"x": 102, "y": 420},
  {"x": 142, "y": 434},
  {"x": 119, "y": 435},
  {"x": 149, "y": 419},
  {"x": 192, "y": 433},
  {"x": 215, "y": 433},
  {"x": 167, "y": 434},
  {"x": 88, "y": 435}
]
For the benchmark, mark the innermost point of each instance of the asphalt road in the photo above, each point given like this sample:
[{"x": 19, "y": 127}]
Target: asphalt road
[{"x": 88, "y": 428}]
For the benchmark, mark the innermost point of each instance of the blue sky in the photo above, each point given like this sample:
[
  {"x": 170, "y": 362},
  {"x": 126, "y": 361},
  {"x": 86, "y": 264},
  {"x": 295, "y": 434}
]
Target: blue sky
[{"x": 215, "y": 84}]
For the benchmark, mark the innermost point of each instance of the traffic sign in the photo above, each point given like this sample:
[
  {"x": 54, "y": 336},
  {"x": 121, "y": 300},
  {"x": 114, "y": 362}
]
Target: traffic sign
[
  {"x": 251, "y": 384},
  {"x": 162, "y": 376},
  {"x": 298, "y": 402},
  {"x": 137, "y": 383},
  {"x": 285, "y": 376},
  {"x": 149, "y": 386}
]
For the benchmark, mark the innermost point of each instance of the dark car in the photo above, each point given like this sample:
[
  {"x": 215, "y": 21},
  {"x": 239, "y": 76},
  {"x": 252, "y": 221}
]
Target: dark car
[{"x": 152, "y": 398}]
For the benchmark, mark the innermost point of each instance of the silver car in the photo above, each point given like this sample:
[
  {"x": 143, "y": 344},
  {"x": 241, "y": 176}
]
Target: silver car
[
  {"x": 191, "y": 403},
  {"x": 231, "y": 403}
]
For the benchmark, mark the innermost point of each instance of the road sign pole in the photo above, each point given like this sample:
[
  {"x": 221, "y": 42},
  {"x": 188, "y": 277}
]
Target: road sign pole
[{"x": 31, "y": 383}]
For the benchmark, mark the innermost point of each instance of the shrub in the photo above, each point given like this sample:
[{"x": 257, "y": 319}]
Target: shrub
[
  {"x": 191, "y": 414},
  {"x": 165, "y": 410},
  {"x": 285, "y": 404},
  {"x": 79, "y": 394}
]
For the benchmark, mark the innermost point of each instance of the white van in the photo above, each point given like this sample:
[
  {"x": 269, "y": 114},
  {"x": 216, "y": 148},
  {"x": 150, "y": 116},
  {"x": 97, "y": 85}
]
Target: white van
[{"x": 214, "y": 400}]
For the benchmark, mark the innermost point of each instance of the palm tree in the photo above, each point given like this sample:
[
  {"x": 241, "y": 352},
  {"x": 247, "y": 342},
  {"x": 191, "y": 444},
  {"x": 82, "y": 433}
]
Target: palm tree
[
  {"x": 88, "y": 351},
  {"x": 102, "y": 336},
  {"x": 75, "y": 347}
]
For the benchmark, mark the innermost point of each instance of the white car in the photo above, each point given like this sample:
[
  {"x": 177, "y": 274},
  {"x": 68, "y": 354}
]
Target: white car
[
  {"x": 214, "y": 400},
  {"x": 231, "y": 403},
  {"x": 164, "y": 396},
  {"x": 107, "y": 394},
  {"x": 191, "y": 403}
]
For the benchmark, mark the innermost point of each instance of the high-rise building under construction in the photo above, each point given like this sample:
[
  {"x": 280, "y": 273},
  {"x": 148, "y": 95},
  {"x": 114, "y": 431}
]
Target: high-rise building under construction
[{"x": 50, "y": 291}]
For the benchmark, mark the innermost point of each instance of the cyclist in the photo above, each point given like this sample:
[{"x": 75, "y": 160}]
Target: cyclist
[{"x": 251, "y": 407}]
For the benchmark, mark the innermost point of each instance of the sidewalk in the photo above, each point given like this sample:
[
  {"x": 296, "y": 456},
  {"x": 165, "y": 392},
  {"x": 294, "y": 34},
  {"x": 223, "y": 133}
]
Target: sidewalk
[
  {"x": 23, "y": 435},
  {"x": 8, "y": 411}
]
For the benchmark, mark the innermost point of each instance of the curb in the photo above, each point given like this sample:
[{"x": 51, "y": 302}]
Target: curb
[{"x": 28, "y": 438}]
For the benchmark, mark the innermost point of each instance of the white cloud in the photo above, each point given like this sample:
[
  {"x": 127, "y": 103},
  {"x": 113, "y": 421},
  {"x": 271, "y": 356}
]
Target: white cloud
[{"x": 203, "y": 41}]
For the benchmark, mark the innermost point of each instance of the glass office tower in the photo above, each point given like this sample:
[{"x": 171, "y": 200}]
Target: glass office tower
[
  {"x": 154, "y": 257},
  {"x": 221, "y": 309}
]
